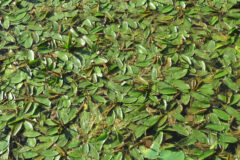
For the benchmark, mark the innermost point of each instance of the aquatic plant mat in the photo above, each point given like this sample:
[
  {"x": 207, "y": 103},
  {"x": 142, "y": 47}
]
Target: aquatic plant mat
[{"x": 119, "y": 79}]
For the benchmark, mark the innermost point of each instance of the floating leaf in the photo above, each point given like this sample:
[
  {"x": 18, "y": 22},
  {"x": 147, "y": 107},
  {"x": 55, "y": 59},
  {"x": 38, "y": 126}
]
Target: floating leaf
[
  {"x": 30, "y": 154},
  {"x": 221, "y": 114},
  {"x": 180, "y": 129},
  {"x": 153, "y": 151},
  {"x": 227, "y": 138},
  {"x": 230, "y": 84},
  {"x": 169, "y": 155},
  {"x": 18, "y": 76},
  {"x": 167, "y": 9},
  {"x": 140, "y": 131},
  {"x": 3, "y": 145},
  {"x": 140, "y": 2},
  {"x": 141, "y": 49},
  {"x": 168, "y": 91},
  {"x": 233, "y": 112},
  {"x": 216, "y": 127},
  {"x": 181, "y": 85},
  {"x": 206, "y": 154},
  {"x": 28, "y": 42},
  {"x": 62, "y": 55},
  {"x": 129, "y": 100},
  {"x": 49, "y": 153},
  {"x": 99, "y": 98},
  {"x": 214, "y": 20},
  {"x": 43, "y": 100},
  {"x": 31, "y": 133},
  {"x": 6, "y": 22}
]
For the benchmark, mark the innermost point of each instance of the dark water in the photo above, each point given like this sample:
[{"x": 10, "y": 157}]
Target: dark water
[{"x": 33, "y": 1}]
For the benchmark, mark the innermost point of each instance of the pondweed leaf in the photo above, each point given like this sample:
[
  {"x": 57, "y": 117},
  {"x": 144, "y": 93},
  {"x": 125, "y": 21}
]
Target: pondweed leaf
[
  {"x": 154, "y": 150},
  {"x": 62, "y": 55},
  {"x": 31, "y": 133},
  {"x": 168, "y": 91},
  {"x": 233, "y": 112},
  {"x": 43, "y": 100},
  {"x": 221, "y": 114},
  {"x": 167, "y": 9},
  {"x": 49, "y": 153},
  {"x": 215, "y": 127},
  {"x": 168, "y": 155},
  {"x": 29, "y": 154},
  {"x": 129, "y": 100},
  {"x": 140, "y": 131},
  {"x": 206, "y": 154},
  {"x": 180, "y": 129},
  {"x": 3, "y": 145},
  {"x": 99, "y": 98},
  {"x": 230, "y": 84},
  {"x": 227, "y": 138}
]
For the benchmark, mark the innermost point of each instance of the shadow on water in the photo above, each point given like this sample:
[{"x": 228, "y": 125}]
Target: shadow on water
[
  {"x": 32, "y": 1},
  {"x": 3, "y": 51},
  {"x": 82, "y": 51}
]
